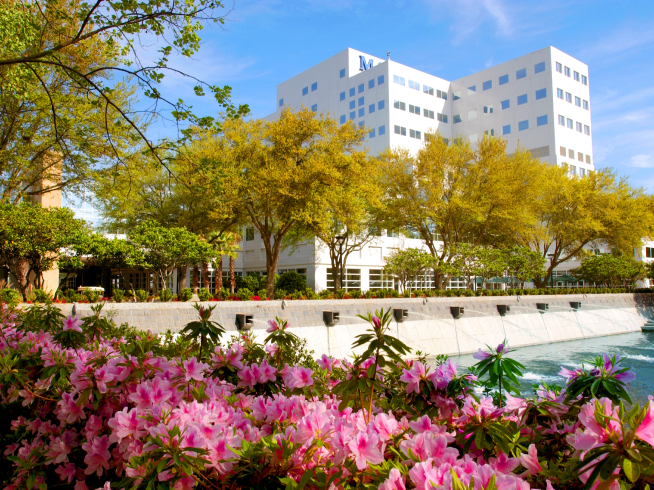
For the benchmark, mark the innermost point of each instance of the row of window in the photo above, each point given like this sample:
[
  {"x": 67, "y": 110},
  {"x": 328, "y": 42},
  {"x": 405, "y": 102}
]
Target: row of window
[
  {"x": 563, "y": 121},
  {"x": 566, "y": 71},
  {"x": 362, "y": 110},
  {"x": 504, "y": 79},
  {"x": 401, "y": 130},
  {"x": 522, "y": 125},
  {"x": 442, "y": 94},
  {"x": 649, "y": 252},
  {"x": 414, "y": 109},
  {"x": 362, "y": 86},
  {"x": 568, "y": 98},
  {"x": 573, "y": 171},
  {"x": 305, "y": 90},
  {"x": 571, "y": 154}
]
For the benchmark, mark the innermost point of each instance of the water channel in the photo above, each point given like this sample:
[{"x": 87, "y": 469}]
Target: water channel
[{"x": 543, "y": 362}]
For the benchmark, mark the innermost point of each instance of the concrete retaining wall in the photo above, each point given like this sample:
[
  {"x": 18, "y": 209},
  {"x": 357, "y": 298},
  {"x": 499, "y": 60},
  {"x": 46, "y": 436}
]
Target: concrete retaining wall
[{"x": 430, "y": 327}]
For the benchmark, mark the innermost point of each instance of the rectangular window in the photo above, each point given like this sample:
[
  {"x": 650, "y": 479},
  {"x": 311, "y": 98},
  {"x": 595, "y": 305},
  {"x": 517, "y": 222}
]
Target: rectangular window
[
  {"x": 504, "y": 79},
  {"x": 314, "y": 86},
  {"x": 281, "y": 102},
  {"x": 361, "y": 101},
  {"x": 577, "y": 101},
  {"x": 361, "y": 87},
  {"x": 428, "y": 90},
  {"x": 561, "y": 120},
  {"x": 414, "y": 85},
  {"x": 415, "y": 134},
  {"x": 371, "y": 108},
  {"x": 579, "y": 127},
  {"x": 400, "y": 130},
  {"x": 381, "y": 105},
  {"x": 588, "y": 159},
  {"x": 559, "y": 93},
  {"x": 582, "y": 172},
  {"x": 379, "y": 278},
  {"x": 342, "y": 96},
  {"x": 489, "y": 132},
  {"x": 570, "y": 125},
  {"x": 428, "y": 113},
  {"x": 539, "y": 67},
  {"x": 541, "y": 120},
  {"x": 584, "y": 79},
  {"x": 371, "y": 83},
  {"x": 380, "y": 81},
  {"x": 456, "y": 118},
  {"x": 353, "y": 104},
  {"x": 353, "y": 115},
  {"x": 314, "y": 107},
  {"x": 522, "y": 99},
  {"x": 566, "y": 71},
  {"x": 342, "y": 73},
  {"x": 361, "y": 123},
  {"x": 571, "y": 154},
  {"x": 399, "y": 105},
  {"x": 342, "y": 119},
  {"x": 382, "y": 130},
  {"x": 414, "y": 109},
  {"x": 522, "y": 125},
  {"x": 559, "y": 67},
  {"x": 352, "y": 92},
  {"x": 586, "y": 104},
  {"x": 305, "y": 91},
  {"x": 399, "y": 80},
  {"x": 573, "y": 170},
  {"x": 648, "y": 252},
  {"x": 441, "y": 94},
  {"x": 562, "y": 151},
  {"x": 506, "y": 129},
  {"x": 521, "y": 74},
  {"x": 472, "y": 90},
  {"x": 371, "y": 134},
  {"x": 587, "y": 130},
  {"x": 362, "y": 112},
  {"x": 351, "y": 279},
  {"x": 442, "y": 117},
  {"x": 541, "y": 94},
  {"x": 457, "y": 95},
  {"x": 488, "y": 109},
  {"x": 488, "y": 85},
  {"x": 568, "y": 97},
  {"x": 472, "y": 114},
  {"x": 249, "y": 234},
  {"x": 505, "y": 104},
  {"x": 576, "y": 76},
  {"x": 580, "y": 157}
]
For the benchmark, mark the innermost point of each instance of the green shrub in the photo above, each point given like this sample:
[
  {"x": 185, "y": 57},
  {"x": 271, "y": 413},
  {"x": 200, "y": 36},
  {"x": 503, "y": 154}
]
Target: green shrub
[
  {"x": 292, "y": 281},
  {"x": 185, "y": 294},
  {"x": 297, "y": 295},
  {"x": 244, "y": 294},
  {"x": 262, "y": 294},
  {"x": 280, "y": 294},
  {"x": 223, "y": 294},
  {"x": 311, "y": 294},
  {"x": 340, "y": 293},
  {"x": 92, "y": 295},
  {"x": 42, "y": 296},
  {"x": 165, "y": 295},
  {"x": 118, "y": 295},
  {"x": 73, "y": 296},
  {"x": 10, "y": 296},
  {"x": 141, "y": 295},
  {"x": 252, "y": 282},
  {"x": 204, "y": 294}
]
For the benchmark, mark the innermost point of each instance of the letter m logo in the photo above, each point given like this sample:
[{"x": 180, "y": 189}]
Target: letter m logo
[{"x": 362, "y": 63}]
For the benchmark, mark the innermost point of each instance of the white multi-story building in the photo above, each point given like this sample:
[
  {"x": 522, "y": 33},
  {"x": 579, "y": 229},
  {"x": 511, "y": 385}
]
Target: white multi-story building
[{"x": 539, "y": 101}]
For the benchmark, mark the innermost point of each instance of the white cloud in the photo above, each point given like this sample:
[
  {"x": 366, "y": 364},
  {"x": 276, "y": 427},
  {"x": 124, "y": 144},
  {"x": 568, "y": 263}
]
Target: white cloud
[
  {"x": 642, "y": 161},
  {"x": 626, "y": 38}
]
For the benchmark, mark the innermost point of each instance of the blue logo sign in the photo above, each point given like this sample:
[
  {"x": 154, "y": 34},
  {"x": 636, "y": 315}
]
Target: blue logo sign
[{"x": 362, "y": 63}]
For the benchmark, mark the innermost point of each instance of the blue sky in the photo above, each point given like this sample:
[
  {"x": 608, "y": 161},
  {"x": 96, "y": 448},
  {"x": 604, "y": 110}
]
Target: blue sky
[{"x": 265, "y": 42}]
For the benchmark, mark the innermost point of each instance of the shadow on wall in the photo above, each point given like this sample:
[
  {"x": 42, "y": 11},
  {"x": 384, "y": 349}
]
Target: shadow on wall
[{"x": 644, "y": 304}]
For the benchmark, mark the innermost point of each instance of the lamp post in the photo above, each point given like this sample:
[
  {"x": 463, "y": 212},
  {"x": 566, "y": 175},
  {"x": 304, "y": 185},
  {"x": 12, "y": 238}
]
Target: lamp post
[{"x": 341, "y": 240}]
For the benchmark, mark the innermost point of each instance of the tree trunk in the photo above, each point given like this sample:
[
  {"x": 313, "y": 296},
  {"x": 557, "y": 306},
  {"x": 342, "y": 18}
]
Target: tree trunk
[
  {"x": 336, "y": 269},
  {"x": 195, "y": 278},
  {"x": 181, "y": 280},
  {"x": 218, "y": 282},
  {"x": 205, "y": 275},
  {"x": 271, "y": 270},
  {"x": 232, "y": 275}
]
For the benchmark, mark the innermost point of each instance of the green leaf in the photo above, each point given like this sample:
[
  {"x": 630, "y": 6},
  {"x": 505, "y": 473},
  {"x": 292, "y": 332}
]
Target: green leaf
[{"x": 631, "y": 470}]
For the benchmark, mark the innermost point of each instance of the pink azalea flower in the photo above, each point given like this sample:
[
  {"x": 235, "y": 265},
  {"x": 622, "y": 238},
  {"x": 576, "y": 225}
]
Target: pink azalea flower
[
  {"x": 298, "y": 377},
  {"x": 376, "y": 322},
  {"x": 645, "y": 431},
  {"x": 73, "y": 323},
  {"x": 326, "y": 363},
  {"x": 273, "y": 326},
  {"x": 395, "y": 481},
  {"x": 68, "y": 409},
  {"x": 102, "y": 377},
  {"x": 413, "y": 376},
  {"x": 530, "y": 461},
  {"x": 248, "y": 377},
  {"x": 503, "y": 463},
  {"x": 66, "y": 472},
  {"x": 481, "y": 355},
  {"x": 424, "y": 476},
  {"x": 97, "y": 455},
  {"x": 193, "y": 369},
  {"x": 385, "y": 425},
  {"x": 569, "y": 376},
  {"x": 266, "y": 372},
  {"x": 364, "y": 449}
]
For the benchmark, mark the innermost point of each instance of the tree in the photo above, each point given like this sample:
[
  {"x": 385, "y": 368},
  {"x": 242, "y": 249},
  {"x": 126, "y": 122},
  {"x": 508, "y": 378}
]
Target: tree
[
  {"x": 574, "y": 213},
  {"x": 523, "y": 264},
  {"x": 39, "y": 41},
  {"x": 452, "y": 193},
  {"x": 32, "y": 239},
  {"x": 166, "y": 249},
  {"x": 609, "y": 270},
  {"x": 225, "y": 244},
  {"x": 279, "y": 173},
  {"x": 408, "y": 264}
]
